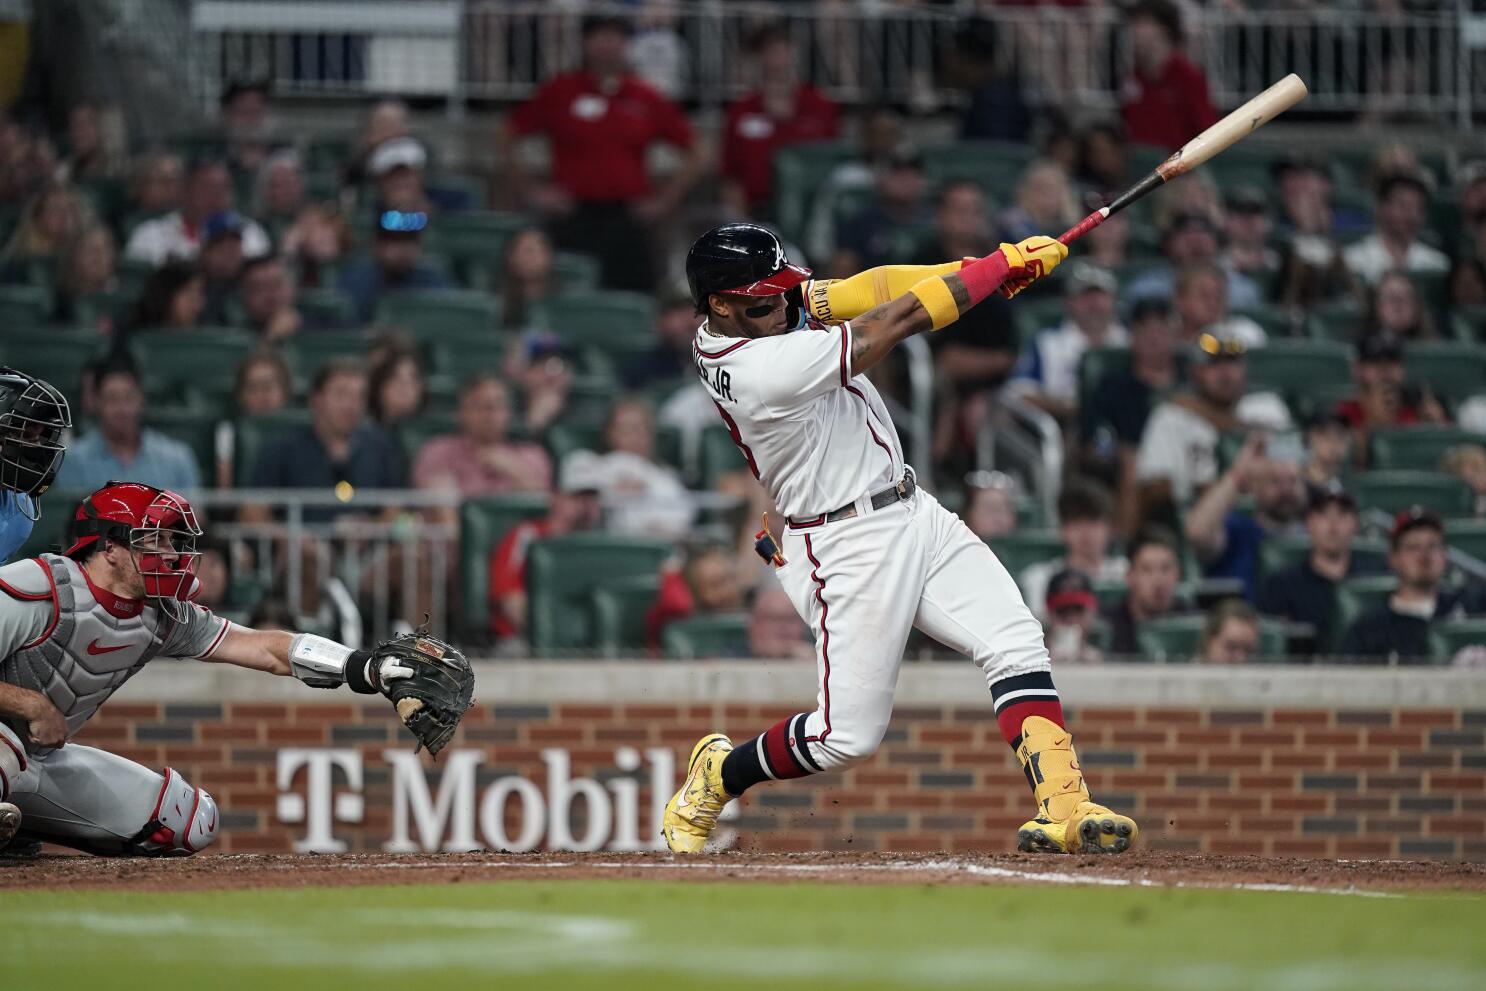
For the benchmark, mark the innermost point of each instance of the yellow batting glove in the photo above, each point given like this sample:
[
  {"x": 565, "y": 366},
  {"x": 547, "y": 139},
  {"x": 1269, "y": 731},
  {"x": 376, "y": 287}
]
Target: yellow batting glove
[{"x": 1029, "y": 260}]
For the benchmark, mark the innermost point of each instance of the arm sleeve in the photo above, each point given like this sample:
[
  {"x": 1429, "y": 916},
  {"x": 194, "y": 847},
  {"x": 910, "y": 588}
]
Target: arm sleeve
[
  {"x": 792, "y": 369},
  {"x": 835, "y": 300},
  {"x": 198, "y": 634}
]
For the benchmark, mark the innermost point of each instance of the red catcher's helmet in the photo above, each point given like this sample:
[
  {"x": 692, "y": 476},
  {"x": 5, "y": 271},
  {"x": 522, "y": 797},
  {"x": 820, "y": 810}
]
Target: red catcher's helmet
[{"x": 158, "y": 524}]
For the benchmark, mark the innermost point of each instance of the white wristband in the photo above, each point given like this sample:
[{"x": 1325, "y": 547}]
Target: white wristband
[{"x": 317, "y": 661}]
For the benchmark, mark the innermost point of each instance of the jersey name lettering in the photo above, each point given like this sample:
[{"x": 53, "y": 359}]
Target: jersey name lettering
[{"x": 720, "y": 382}]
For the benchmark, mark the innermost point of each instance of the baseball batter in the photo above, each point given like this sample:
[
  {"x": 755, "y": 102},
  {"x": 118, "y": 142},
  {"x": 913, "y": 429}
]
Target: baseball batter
[
  {"x": 75, "y": 627},
  {"x": 33, "y": 415},
  {"x": 866, "y": 554}
]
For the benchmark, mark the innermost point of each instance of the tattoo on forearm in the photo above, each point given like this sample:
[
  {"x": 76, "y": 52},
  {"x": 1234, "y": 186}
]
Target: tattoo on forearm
[{"x": 958, "y": 291}]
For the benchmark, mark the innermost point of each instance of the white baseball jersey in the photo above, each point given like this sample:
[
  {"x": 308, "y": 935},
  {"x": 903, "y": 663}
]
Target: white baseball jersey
[{"x": 815, "y": 435}]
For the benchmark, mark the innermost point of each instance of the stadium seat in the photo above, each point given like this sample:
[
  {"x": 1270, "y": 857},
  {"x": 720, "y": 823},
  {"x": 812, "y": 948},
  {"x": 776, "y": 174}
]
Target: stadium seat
[
  {"x": 483, "y": 523},
  {"x": 615, "y": 322},
  {"x": 1448, "y": 639},
  {"x": 1026, "y": 547},
  {"x": 1468, "y": 535},
  {"x": 1097, "y": 363},
  {"x": 50, "y": 533},
  {"x": 1418, "y": 448},
  {"x": 431, "y": 314},
  {"x": 203, "y": 361},
  {"x": 325, "y": 309},
  {"x": 1450, "y": 369},
  {"x": 1278, "y": 322},
  {"x": 475, "y": 243},
  {"x": 1280, "y": 552},
  {"x": 252, "y": 434},
  {"x": 95, "y": 309},
  {"x": 308, "y": 351},
  {"x": 719, "y": 455},
  {"x": 59, "y": 356},
  {"x": 561, "y": 575},
  {"x": 132, "y": 275},
  {"x": 195, "y": 428},
  {"x": 416, "y": 431},
  {"x": 1177, "y": 639},
  {"x": 1294, "y": 366},
  {"x": 1109, "y": 592},
  {"x": 574, "y": 273},
  {"x": 1336, "y": 321},
  {"x": 1468, "y": 323},
  {"x": 1391, "y": 491},
  {"x": 724, "y": 635},
  {"x": 619, "y": 609},
  {"x": 562, "y": 439},
  {"x": 996, "y": 165},
  {"x": 24, "y": 306},
  {"x": 799, "y": 171},
  {"x": 1356, "y": 596},
  {"x": 1433, "y": 288}
]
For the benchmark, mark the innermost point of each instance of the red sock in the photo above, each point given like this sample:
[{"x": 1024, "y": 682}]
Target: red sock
[{"x": 1021, "y": 696}]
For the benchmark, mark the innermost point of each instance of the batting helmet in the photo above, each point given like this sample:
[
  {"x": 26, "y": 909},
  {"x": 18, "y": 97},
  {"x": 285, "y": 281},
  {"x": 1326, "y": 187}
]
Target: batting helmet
[
  {"x": 33, "y": 415},
  {"x": 739, "y": 260},
  {"x": 157, "y": 523}
]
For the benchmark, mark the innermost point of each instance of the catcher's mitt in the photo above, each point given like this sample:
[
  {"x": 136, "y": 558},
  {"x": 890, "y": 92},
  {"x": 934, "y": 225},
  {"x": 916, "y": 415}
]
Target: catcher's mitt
[{"x": 431, "y": 699}]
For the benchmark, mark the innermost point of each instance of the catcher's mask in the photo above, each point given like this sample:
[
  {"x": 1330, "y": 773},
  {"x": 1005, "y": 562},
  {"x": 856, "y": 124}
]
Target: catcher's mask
[
  {"x": 33, "y": 415},
  {"x": 158, "y": 526}
]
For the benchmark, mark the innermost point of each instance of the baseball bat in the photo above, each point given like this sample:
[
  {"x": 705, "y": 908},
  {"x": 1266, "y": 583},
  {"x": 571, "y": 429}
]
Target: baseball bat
[{"x": 1224, "y": 134}]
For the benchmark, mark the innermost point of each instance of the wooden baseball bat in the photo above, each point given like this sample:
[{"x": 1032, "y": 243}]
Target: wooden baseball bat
[{"x": 1224, "y": 134}]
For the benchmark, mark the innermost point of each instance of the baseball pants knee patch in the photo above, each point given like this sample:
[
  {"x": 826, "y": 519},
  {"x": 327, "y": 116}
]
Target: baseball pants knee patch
[
  {"x": 12, "y": 761},
  {"x": 184, "y": 820}
]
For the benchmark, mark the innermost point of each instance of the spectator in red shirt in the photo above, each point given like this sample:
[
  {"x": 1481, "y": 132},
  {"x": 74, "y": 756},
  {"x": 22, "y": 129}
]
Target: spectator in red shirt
[
  {"x": 1164, "y": 101},
  {"x": 1384, "y": 397},
  {"x": 781, "y": 111},
  {"x": 601, "y": 120},
  {"x": 707, "y": 584},
  {"x": 575, "y": 506}
]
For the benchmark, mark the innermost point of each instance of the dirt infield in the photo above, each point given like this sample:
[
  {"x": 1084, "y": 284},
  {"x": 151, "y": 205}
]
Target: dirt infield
[{"x": 1144, "y": 869}]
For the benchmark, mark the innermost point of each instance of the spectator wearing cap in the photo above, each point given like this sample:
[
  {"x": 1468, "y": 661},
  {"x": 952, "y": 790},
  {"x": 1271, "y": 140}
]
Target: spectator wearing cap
[
  {"x": 1230, "y": 634},
  {"x": 888, "y": 229},
  {"x": 1398, "y": 214},
  {"x": 1395, "y": 307},
  {"x": 1384, "y": 397},
  {"x": 1047, "y": 374},
  {"x": 120, "y": 446},
  {"x": 1085, "y": 524},
  {"x": 1150, "y": 588},
  {"x": 775, "y": 630},
  {"x": 1190, "y": 241},
  {"x": 180, "y": 234},
  {"x": 1164, "y": 100},
  {"x": 990, "y": 504},
  {"x": 1178, "y": 450},
  {"x": 576, "y": 506},
  {"x": 1305, "y": 592},
  {"x": 220, "y": 263},
  {"x": 1398, "y": 630},
  {"x": 781, "y": 110},
  {"x": 395, "y": 262},
  {"x": 1070, "y": 609},
  {"x": 1328, "y": 449},
  {"x": 1226, "y": 539},
  {"x": 396, "y": 170},
  {"x": 1246, "y": 229},
  {"x": 482, "y": 459},
  {"x": 602, "y": 121}
]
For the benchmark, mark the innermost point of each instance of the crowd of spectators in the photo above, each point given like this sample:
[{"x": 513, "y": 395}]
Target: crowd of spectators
[{"x": 1186, "y": 457}]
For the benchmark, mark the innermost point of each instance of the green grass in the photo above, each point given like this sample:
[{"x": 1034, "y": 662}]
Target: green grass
[{"x": 625, "y": 934}]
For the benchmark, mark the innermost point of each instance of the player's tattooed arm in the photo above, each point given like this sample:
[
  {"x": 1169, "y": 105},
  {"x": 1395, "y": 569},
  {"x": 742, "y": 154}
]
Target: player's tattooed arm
[{"x": 878, "y": 331}]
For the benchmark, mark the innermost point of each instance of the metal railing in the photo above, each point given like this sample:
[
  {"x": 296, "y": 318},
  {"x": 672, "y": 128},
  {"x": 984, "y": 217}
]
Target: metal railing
[{"x": 1426, "y": 64}]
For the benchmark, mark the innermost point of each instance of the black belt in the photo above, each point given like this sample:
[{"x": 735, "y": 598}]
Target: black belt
[{"x": 880, "y": 500}]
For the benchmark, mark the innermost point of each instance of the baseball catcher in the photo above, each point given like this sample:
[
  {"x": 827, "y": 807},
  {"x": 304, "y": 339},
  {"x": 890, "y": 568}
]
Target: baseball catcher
[
  {"x": 33, "y": 415},
  {"x": 74, "y": 627}
]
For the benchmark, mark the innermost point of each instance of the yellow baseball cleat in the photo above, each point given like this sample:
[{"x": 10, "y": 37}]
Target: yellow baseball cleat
[
  {"x": 1068, "y": 821},
  {"x": 692, "y": 812}
]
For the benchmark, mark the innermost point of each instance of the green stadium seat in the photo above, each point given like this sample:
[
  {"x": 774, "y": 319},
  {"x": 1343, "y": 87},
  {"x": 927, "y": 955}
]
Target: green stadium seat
[
  {"x": 59, "y": 356},
  {"x": 1278, "y": 322},
  {"x": 574, "y": 273},
  {"x": 619, "y": 609},
  {"x": 1037, "y": 314},
  {"x": 996, "y": 165},
  {"x": 1337, "y": 321},
  {"x": 723, "y": 635},
  {"x": 1097, "y": 363},
  {"x": 50, "y": 533},
  {"x": 195, "y": 428},
  {"x": 562, "y": 439},
  {"x": 432, "y": 314},
  {"x": 799, "y": 171},
  {"x": 24, "y": 306},
  {"x": 472, "y": 187},
  {"x": 325, "y": 309},
  {"x": 719, "y": 455},
  {"x": 483, "y": 523},
  {"x": 418, "y": 430},
  {"x": 1391, "y": 491},
  {"x": 203, "y": 360},
  {"x": 1433, "y": 288},
  {"x": 1019, "y": 550},
  {"x": 1294, "y": 366},
  {"x": 1177, "y": 639},
  {"x": 1356, "y": 596},
  {"x": 1280, "y": 552},
  {"x": 252, "y": 434},
  {"x": 615, "y": 322},
  {"x": 132, "y": 276},
  {"x": 1109, "y": 592},
  {"x": 1418, "y": 448},
  {"x": 306, "y": 352},
  {"x": 561, "y": 575},
  {"x": 1448, "y": 639},
  {"x": 1450, "y": 369},
  {"x": 1468, "y": 535},
  {"x": 475, "y": 243},
  {"x": 95, "y": 309},
  {"x": 1468, "y": 323}
]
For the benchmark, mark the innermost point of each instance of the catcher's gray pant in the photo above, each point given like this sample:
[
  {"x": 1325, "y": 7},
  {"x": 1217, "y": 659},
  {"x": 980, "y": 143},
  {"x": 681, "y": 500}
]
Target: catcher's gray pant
[{"x": 100, "y": 802}]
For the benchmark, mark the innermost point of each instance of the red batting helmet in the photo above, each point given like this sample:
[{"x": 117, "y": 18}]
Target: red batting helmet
[{"x": 158, "y": 524}]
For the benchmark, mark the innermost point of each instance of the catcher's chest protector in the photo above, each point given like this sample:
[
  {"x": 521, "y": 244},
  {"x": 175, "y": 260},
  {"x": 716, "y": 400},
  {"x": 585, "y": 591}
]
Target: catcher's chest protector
[{"x": 88, "y": 652}]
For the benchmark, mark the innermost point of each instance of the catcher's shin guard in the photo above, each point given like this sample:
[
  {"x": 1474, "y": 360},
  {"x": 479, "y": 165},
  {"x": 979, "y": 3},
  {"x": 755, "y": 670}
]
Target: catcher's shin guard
[
  {"x": 692, "y": 812},
  {"x": 1068, "y": 820}
]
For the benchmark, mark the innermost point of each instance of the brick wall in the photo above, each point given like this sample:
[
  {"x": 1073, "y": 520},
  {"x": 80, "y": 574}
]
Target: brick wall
[{"x": 1351, "y": 782}]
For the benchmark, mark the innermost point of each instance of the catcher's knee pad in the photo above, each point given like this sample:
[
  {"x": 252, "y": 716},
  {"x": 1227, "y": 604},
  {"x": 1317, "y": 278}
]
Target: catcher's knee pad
[
  {"x": 184, "y": 821},
  {"x": 12, "y": 761}
]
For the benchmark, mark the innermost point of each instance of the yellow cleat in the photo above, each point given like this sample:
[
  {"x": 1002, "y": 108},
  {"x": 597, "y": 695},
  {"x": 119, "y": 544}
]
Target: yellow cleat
[
  {"x": 1068, "y": 821},
  {"x": 692, "y": 812}
]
